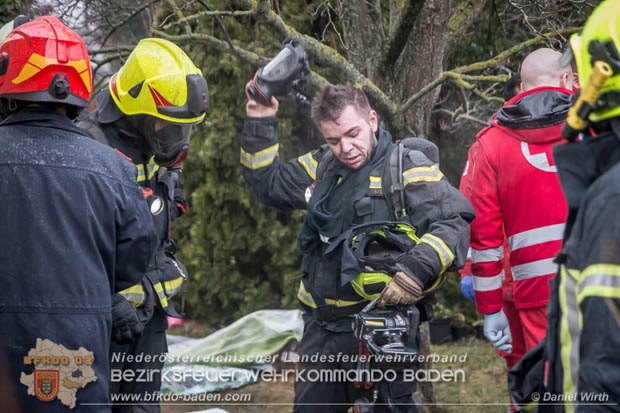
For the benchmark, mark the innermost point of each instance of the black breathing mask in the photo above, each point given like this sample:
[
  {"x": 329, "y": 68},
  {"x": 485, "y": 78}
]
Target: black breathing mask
[
  {"x": 169, "y": 144},
  {"x": 282, "y": 75}
]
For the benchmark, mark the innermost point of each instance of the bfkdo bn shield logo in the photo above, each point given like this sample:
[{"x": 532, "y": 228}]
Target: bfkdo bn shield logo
[{"x": 46, "y": 384}]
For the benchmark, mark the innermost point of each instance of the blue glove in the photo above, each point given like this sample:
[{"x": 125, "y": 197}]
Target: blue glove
[
  {"x": 467, "y": 287},
  {"x": 496, "y": 329}
]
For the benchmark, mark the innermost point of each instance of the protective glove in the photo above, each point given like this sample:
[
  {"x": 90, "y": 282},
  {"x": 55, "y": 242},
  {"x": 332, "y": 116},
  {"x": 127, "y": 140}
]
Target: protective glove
[
  {"x": 496, "y": 329},
  {"x": 401, "y": 290},
  {"x": 467, "y": 287},
  {"x": 126, "y": 325}
]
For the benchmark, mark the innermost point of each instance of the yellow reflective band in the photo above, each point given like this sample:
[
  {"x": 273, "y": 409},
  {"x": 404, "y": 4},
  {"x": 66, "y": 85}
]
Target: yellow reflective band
[
  {"x": 304, "y": 296},
  {"x": 422, "y": 174},
  {"x": 600, "y": 280},
  {"x": 309, "y": 164},
  {"x": 445, "y": 255},
  {"x": 569, "y": 332},
  {"x": 152, "y": 167},
  {"x": 141, "y": 175},
  {"x": 342, "y": 303},
  {"x": 172, "y": 287},
  {"x": 259, "y": 159},
  {"x": 160, "y": 293},
  {"x": 134, "y": 294},
  {"x": 598, "y": 291},
  {"x": 375, "y": 182},
  {"x": 375, "y": 188}
]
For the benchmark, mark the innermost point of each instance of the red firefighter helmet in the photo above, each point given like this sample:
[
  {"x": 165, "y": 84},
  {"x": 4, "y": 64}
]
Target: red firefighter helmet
[{"x": 45, "y": 61}]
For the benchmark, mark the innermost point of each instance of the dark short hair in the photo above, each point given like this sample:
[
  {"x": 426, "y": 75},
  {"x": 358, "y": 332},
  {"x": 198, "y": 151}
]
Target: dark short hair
[
  {"x": 331, "y": 100},
  {"x": 512, "y": 87}
]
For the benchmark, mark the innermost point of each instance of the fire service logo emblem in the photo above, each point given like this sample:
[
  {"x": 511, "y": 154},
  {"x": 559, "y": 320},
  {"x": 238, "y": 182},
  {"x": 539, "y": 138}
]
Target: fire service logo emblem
[{"x": 46, "y": 384}]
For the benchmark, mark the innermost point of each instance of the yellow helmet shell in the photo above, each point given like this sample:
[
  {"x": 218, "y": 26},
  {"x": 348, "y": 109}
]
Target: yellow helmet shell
[
  {"x": 602, "y": 27},
  {"x": 160, "y": 80}
]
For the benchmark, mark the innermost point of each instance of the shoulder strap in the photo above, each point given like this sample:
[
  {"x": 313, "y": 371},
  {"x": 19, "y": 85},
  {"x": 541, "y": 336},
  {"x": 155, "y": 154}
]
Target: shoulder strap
[
  {"x": 392, "y": 179},
  {"x": 397, "y": 190}
]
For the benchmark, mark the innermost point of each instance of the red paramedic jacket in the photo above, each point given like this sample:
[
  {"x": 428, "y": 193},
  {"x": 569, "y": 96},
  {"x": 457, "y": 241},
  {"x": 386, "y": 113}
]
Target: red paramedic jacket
[
  {"x": 465, "y": 188},
  {"x": 515, "y": 189}
]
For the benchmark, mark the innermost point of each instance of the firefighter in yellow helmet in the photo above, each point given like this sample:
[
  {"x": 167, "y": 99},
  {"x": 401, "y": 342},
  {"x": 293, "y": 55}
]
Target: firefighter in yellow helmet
[
  {"x": 147, "y": 112},
  {"x": 581, "y": 366}
]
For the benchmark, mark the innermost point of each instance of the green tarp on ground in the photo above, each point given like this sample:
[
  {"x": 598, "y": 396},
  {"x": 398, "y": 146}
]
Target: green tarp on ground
[{"x": 215, "y": 362}]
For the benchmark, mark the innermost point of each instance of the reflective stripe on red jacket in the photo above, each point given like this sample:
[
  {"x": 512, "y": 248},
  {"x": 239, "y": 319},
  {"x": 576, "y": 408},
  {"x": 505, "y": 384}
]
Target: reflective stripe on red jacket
[{"x": 516, "y": 194}]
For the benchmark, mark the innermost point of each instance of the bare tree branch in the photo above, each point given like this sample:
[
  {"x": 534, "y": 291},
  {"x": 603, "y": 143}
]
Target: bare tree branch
[
  {"x": 99, "y": 64},
  {"x": 327, "y": 56},
  {"x": 498, "y": 59},
  {"x": 222, "y": 27},
  {"x": 126, "y": 20},
  {"x": 493, "y": 62},
  {"x": 486, "y": 78},
  {"x": 179, "y": 13},
  {"x": 316, "y": 80},
  {"x": 209, "y": 13},
  {"x": 105, "y": 50},
  {"x": 245, "y": 55},
  {"x": 455, "y": 116}
]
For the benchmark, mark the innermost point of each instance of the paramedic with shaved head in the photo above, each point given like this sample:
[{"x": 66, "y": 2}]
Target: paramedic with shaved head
[{"x": 516, "y": 194}]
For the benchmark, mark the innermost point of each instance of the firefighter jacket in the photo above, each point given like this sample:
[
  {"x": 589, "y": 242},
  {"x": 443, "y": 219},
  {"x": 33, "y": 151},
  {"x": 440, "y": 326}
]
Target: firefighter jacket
[
  {"x": 583, "y": 333},
  {"x": 438, "y": 211},
  {"x": 74, "y": 228},
  {"x": 166, "y": 275},
  {"x": 516, "y": 194}
]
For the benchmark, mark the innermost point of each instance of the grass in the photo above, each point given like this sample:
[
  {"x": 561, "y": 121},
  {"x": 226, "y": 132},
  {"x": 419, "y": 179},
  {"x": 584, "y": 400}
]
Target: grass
[
  {"x": 485, "y": 379},
  {"x": 483, "y": 388}
]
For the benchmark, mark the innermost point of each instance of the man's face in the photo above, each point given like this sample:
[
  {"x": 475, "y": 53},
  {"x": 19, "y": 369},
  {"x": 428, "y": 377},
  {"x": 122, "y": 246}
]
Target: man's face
[{"x": 351, "y": 137}]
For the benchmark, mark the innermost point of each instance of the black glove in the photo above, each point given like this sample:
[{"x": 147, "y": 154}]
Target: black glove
[{"x": 126, "y": 325}]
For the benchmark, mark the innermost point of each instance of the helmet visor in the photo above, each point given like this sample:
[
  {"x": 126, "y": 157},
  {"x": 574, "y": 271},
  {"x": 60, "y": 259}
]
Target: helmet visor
[{"x": 281, "y": 66}]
